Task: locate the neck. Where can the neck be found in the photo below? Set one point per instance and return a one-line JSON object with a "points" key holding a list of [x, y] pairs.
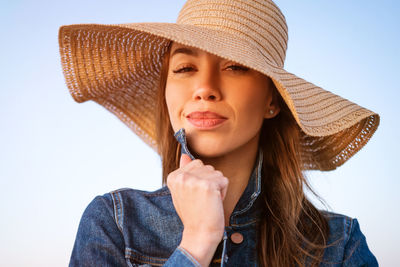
{"points": [[237, 166]]}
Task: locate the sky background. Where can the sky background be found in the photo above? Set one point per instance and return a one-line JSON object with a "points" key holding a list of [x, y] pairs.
{"points": [[57, 155]]}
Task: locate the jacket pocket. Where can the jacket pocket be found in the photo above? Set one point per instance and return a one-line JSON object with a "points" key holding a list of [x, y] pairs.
{"points": [[137, 259]]}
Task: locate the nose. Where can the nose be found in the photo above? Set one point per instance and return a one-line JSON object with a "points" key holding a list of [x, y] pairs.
{"points": [[208, 88]]}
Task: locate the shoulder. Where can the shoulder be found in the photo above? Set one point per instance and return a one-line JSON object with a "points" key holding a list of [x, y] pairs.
{"points": [[140, 227], [147, 222], [135, 197], [137, 205], [339, 225], [130, 207], [346, 243], [117, 201], [129, 193], [133, 210]]}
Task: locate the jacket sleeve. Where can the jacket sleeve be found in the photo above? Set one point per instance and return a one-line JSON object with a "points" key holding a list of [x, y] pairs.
{"points": [[181, 258], [99, 241], [356, 251]]}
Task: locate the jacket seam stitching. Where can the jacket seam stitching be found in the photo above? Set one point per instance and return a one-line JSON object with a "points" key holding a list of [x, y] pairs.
{"points": [[244, 224], [118, 210], [162, 193], [349, 227], [142, 258], [190, 257]]}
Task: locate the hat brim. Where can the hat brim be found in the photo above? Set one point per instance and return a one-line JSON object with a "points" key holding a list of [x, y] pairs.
{"points": [[118, 66]]}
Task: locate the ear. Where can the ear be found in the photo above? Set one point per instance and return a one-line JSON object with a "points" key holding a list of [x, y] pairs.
{"points": [[273, 107]]}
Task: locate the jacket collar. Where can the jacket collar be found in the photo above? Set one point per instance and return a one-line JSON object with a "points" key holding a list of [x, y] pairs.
{"points": [[245, 211]]}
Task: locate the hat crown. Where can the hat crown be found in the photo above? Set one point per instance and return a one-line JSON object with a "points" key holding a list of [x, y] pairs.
{"points": [[259, 22]]}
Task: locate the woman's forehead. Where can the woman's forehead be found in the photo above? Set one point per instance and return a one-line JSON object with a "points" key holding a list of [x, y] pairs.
{"points": [[175, 45], [181, 49], [186, 50]]}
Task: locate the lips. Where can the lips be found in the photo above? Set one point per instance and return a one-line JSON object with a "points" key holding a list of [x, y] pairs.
{"points": [[205, 120], [205, 115]]}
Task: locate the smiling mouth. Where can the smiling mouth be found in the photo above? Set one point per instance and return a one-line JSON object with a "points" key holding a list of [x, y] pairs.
{"points": [[205, 120]]}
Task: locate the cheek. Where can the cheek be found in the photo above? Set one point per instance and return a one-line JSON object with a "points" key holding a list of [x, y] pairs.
{"points": [[250, 113], [253, 105], [172, 104], [250, 120], [175, 100], [169, 99]]}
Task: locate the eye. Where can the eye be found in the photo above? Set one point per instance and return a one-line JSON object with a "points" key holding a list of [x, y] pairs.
{"points": [[183, 69], [236, 67]]}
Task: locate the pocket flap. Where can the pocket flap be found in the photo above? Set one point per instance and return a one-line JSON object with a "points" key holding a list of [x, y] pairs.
{"points": [[136, 258]]}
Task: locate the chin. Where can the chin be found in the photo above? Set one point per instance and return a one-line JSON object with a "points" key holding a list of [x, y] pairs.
{"points": [[209, 154], [208, 150]]}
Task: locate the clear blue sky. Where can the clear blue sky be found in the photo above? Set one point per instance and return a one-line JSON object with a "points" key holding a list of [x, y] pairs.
{"points": [[57, 155]]}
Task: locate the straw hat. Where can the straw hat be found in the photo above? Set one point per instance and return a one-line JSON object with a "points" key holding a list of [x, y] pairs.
{"points": [[118, 66]]}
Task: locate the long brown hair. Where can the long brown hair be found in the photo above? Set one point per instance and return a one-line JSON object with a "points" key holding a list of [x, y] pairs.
{"points": [[291, 231]]}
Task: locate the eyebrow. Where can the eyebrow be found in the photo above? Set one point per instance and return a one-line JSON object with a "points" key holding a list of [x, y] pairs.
{"points": [[184, 50]]}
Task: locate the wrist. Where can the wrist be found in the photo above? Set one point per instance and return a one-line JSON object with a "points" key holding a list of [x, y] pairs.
{"points": [[201, 237], [200, 246]]}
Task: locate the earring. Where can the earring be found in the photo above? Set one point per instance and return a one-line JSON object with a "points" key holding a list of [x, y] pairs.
{"points": [[271, 111]]}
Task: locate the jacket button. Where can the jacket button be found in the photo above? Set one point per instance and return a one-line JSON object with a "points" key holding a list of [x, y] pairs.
{"points": [[237, 238]]}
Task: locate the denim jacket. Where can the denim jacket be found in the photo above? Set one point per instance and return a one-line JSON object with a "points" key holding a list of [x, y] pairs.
{"points": [[130, 227]]}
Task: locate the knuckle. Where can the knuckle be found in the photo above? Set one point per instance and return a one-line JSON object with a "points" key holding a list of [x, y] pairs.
{"points": [[225, 180], [210, 167], [197, 162], [182, 177], [219, 173], [205, 185], [186, 180], [170, 180]]}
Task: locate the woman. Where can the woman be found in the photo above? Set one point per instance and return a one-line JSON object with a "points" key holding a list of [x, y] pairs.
{"points": [[234, 131]]}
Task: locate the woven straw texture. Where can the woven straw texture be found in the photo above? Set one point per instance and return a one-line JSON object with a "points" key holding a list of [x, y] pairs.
{"points": [[118, 66]]}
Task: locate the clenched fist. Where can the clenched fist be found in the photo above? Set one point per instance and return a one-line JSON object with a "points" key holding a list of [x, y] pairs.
{"points": [[198, 192]]}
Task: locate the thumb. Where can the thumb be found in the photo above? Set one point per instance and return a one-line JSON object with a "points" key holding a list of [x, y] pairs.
{"points": [[185, 159]]}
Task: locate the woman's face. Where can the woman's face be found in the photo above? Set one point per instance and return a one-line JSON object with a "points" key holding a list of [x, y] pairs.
{"points": [[221, 104]]}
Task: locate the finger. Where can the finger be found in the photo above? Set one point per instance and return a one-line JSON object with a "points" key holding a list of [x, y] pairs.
{"points": [[185, 160], [224, 187], [209, 167]]}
